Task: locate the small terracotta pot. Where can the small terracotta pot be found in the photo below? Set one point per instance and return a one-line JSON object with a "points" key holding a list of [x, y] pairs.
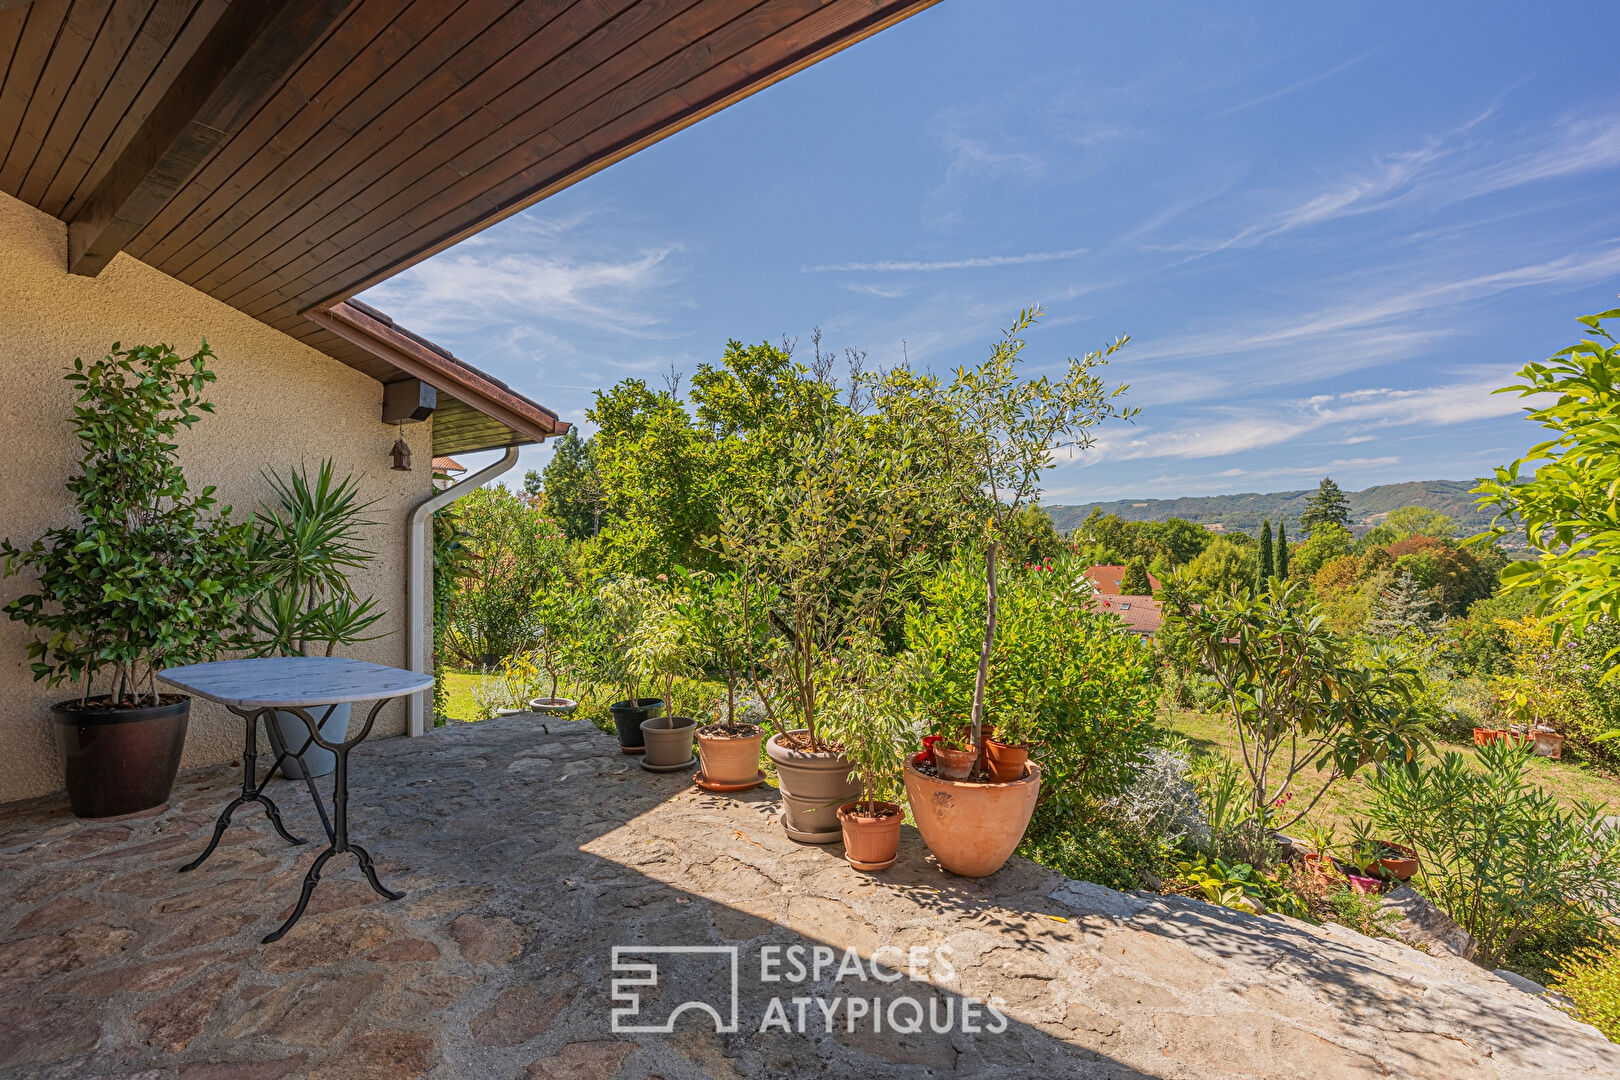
{"points": [[1401, 867], [1005, 761], [1314, 862], [1485, 736], [870, 843], [1549, 744], [954, 764], [972, 829], [729, 760]]}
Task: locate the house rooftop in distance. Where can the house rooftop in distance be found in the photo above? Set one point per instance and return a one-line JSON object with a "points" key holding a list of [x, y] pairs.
{"points": [[1107, 579]]}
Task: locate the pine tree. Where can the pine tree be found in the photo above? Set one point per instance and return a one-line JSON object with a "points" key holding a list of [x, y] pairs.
{"points": [[1327, 506], [1282, 551], [1264, 568], [1135, 580], [1403, 606]]}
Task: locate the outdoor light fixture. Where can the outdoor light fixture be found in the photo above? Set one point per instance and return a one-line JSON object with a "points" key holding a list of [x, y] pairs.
{"points": [[401, 453]]}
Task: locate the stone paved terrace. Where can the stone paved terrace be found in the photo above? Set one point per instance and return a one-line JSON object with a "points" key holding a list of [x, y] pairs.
{"points": [[526, 856]]}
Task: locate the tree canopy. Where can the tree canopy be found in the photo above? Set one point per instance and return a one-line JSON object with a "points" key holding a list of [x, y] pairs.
{"points": [[1327, 507]]}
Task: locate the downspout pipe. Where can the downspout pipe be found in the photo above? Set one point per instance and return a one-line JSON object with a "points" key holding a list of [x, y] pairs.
{"points": [[416, 577]]}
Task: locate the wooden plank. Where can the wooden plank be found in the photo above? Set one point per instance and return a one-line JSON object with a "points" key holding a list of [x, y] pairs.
{"points": [[112, 42], [349, 199], [505, 54], [12, 22], [357, 54], [247, 53], [73, 40], [471, 201], [44, 19], [117, 94]]}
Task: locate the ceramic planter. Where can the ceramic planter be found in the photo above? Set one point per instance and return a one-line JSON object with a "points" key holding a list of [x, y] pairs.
{"points": [[1366, 886], [669, 742], [120, 761], [290, 732], [1401, 866], [871, 843], [627, 718], [972, 829], [730, 762], [1004, 761], [954, 764], [813, 785], [553, 706], [1549, 744]]}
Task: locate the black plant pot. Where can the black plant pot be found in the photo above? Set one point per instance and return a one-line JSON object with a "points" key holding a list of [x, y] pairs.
{"points": [[627, 718], [119, 761]]}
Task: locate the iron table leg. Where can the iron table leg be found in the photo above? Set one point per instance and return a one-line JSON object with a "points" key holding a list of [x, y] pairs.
{"points": [[252, 791]]}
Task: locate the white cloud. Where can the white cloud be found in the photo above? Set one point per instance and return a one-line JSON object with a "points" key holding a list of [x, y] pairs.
{"points": [[982, 262], [1309, 80]]}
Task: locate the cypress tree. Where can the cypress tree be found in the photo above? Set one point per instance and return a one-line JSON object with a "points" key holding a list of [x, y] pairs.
{"points": [[1264, 568], [1282, 552], [1135, 580]]}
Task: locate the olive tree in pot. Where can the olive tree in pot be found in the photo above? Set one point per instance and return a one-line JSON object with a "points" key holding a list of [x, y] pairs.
{"points": [[152, 575], [724, 617], [622, 604], [866, 713], [1010, 428], [831, 533], [306, 544], [661, 651]]}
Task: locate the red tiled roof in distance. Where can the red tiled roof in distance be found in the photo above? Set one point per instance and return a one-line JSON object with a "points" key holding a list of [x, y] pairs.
{"points": [[1140, 614], [1107, 579]]}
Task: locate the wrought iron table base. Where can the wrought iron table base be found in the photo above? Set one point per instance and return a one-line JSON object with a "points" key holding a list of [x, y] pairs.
{"points": [[337, 828]]}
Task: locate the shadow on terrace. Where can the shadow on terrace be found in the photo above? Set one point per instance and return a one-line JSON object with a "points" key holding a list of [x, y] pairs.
{"points": [[527, 854]]}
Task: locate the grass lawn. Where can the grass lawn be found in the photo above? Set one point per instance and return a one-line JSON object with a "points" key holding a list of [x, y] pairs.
{"points": [[1569, 781]]}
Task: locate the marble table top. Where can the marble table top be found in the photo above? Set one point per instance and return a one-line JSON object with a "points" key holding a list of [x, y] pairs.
{"points": [[294, 681]]}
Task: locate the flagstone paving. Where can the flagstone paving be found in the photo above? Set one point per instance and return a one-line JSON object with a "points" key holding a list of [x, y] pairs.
{"points": [[528, 851]]}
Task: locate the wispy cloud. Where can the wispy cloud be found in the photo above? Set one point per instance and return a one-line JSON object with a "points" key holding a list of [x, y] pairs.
{"points": [[983, 262], [1310, 80]]}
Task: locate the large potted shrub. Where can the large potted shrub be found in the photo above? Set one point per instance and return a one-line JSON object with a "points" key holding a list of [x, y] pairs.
{"points": [[305, 545], [150, 575], [1009, 429]]}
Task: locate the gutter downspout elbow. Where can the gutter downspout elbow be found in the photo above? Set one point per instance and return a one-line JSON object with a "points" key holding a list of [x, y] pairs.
{"points": [[416, 573]]}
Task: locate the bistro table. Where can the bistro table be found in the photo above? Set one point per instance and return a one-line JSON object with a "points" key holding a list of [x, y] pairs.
{"points": [[259, 688]]}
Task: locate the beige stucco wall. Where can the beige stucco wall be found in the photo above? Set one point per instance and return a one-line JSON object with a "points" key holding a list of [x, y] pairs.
{"points": [[279, 403]]}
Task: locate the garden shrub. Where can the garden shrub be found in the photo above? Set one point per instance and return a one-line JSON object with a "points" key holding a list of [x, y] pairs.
{"points": [[1099, 846], [1591, 980], [1161, 800], [514, 554], [1497, 853]]}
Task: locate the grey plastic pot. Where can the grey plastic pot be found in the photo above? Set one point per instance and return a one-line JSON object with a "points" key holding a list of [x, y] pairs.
{"points": [[814, 786], [290, 731], [669, 740]]}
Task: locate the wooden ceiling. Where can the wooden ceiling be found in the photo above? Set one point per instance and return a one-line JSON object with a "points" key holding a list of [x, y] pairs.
{"points": [[283, 155]]}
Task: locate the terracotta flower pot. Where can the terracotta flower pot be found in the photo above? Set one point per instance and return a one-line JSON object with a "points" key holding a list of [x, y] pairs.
{"points": [[1485, 736], [627, 718], [1314, 862], [1400, 867], [1005, 761], [669, 741], [119, 761], [1549, 744], [813, 785], [871, 843], [972, 829], [730, 761], [954, 764]]}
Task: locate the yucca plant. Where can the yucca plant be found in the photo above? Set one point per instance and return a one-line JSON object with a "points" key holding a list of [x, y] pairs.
{"points": [[305, 545]]}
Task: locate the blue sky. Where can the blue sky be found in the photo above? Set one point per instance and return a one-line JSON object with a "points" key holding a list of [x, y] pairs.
{"points": [[1329, 230]]}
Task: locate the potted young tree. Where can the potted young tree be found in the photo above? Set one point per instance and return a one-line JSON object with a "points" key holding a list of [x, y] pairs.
{"points": [[660, 650], [151, 575], [1010, 428], [866, 715], [722, 614], [556, 646], [623, 603], [305, 545]]}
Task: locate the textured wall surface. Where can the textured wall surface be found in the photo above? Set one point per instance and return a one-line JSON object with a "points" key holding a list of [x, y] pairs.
{"points": [[278, 403]]}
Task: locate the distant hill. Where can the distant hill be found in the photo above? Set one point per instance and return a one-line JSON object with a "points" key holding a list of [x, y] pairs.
{"points": [[1243, 513]]}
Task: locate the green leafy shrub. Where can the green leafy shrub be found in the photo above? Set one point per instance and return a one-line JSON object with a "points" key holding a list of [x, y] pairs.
{"points": [[1237, 885], [1100, 847], [1591, 980], [1497, 853], [514, 554], [152, 575]]}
